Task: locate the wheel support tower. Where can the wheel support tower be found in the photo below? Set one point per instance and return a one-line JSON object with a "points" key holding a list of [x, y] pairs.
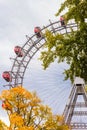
{"points": [[75, 107]]}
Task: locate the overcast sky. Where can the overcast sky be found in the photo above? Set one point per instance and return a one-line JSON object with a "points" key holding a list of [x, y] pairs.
{"points": [[17, 19]]}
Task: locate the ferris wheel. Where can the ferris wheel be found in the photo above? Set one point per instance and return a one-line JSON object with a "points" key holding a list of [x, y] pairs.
{"points": [[25, 57]]}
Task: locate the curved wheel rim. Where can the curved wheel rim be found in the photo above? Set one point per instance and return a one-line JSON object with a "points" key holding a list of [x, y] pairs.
{"points": [[30, 48]]}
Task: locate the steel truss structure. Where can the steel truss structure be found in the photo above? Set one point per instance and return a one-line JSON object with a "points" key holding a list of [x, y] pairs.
{"points": [[30, 48], [76, 108], [33, 45]]}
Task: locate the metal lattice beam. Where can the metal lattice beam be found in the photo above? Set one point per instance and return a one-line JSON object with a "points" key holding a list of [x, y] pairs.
{"points": [[70, 111], [31, 47]]}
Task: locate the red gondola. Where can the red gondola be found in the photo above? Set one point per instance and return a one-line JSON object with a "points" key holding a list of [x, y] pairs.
{"points": [[62, 21], [18, 51], [6, 75], [37, 31]]}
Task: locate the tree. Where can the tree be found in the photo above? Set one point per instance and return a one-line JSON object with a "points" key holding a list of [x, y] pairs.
{"points": [[72, 47], [3, 126], [26, 112]]}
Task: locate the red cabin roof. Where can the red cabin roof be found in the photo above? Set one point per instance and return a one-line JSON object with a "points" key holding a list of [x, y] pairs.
{"points": [[61, 18], [18, 51], [6, 75], [37, 29]]}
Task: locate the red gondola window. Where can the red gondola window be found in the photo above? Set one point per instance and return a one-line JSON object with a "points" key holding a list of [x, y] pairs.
{"points": [[18, 51], [37, 31], [6, 75]]}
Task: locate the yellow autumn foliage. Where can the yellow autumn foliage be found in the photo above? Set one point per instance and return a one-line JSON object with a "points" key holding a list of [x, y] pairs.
{"points": [[3, 126], [20, 91], [26, 128], [16, 119], [6, 105], [26, 111], [14, 92]]}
